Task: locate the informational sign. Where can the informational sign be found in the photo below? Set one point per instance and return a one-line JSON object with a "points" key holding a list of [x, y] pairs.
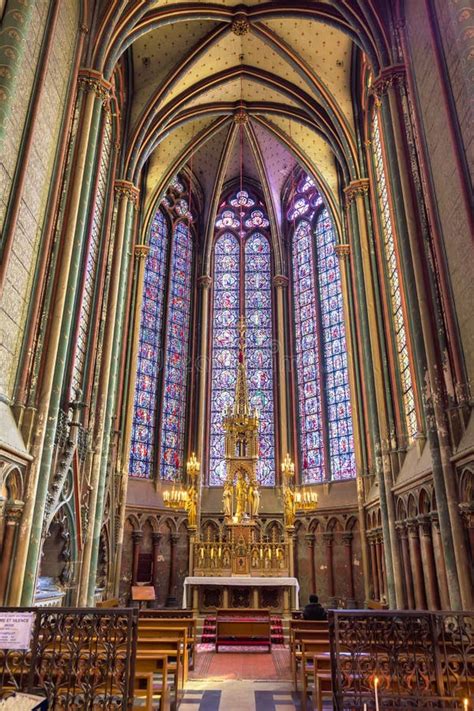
{"points": [[15, 629]]}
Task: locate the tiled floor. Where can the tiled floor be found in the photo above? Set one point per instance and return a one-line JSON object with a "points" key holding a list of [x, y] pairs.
{"points": [[235, 681]]}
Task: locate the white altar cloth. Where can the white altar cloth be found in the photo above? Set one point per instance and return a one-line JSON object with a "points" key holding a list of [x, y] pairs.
{"points": [[240, 581]]}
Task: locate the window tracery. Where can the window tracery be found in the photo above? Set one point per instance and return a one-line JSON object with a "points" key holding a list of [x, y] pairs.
{"points": [[326, 447]]}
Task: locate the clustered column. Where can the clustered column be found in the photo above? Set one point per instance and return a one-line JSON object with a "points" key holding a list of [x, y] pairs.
{"points": [[329, 542], [347, 538], [171, 597]]}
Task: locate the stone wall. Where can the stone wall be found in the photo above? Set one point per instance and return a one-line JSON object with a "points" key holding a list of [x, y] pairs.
{"points": [[39, 172]]}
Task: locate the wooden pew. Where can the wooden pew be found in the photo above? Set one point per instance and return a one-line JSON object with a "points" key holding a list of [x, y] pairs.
{"points": [[236, 627], [296, 645], [310, 651], [174, 649], [145, 624], [149, 669]]}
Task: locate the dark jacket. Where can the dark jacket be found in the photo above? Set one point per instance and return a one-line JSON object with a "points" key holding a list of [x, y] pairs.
{"points": [[314, 611]]}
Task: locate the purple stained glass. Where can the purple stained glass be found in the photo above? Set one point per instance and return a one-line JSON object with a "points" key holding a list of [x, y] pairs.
{"points": [[320, 345], [225, 341], [144, 420], [175, 378], [307, 355], [338, 397], [258, 312]]}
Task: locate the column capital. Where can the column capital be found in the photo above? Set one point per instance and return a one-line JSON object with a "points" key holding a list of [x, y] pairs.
{"points": [[356, 188], [13, 512], [310, 538], [280, 281], [388, 77], [137, 536], [156, 537], [127, 189], [92, 80], [174, 537], [328, 537], [342, 250], [424, 523], [141, 251], [347, 537], [205, 281], [412, 526]]}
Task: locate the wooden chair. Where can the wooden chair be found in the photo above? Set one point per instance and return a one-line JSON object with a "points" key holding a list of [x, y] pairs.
{"points": [[309, 650], [296, 640], [158, 687], [146, 624], [173, 649]]}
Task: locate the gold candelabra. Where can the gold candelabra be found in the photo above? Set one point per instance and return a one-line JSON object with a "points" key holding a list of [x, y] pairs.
{"points": [[295, 498], [185, 497]]}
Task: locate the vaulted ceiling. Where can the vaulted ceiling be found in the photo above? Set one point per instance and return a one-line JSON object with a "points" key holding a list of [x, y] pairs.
{"points": [[287, 66]]}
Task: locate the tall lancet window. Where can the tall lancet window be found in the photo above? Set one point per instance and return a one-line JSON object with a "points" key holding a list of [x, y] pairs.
{"points": [[158, 430], [326, 446], [393, 279], [242, 286]]}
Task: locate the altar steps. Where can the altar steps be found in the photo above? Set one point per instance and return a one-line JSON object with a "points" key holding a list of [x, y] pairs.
{"points": [[208, 634]]}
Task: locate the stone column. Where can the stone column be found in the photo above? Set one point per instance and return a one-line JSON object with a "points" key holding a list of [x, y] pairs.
{"points": [[328, 537], [127, 200], [137, 537], [347, 538], [416, 564], [402, 530], [379, 561], [427, 557], [343, 252], [467, 513], [205, 283], [439, 563], [156, 539], [390, 89], [12, 516], [171, 597], [356, 193], [96, 92], [310, 540], [373, 565], [280, 283]]}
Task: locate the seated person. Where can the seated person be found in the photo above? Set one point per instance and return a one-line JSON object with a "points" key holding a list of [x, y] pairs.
{"points": [[313, 610]]}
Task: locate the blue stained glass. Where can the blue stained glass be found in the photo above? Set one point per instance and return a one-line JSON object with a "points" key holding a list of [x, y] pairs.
{"points": [[258, 311], [225, 346], [307, 355], [341, 448], [175, 377], [144, 420], [320, 345]]}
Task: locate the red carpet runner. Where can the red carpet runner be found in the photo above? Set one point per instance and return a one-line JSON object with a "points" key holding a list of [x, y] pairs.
{"points": [[209, 630]]}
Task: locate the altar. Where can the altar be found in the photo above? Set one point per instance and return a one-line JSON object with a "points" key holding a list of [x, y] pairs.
{"points": [[227, 592]]}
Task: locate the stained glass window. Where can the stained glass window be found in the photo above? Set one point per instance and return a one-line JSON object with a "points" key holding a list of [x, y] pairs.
{"points": [[338, 400], [173, 409], [144, 421], [326, 447], [242, 286], [158, 441], [394, 283], [258, 313], [225, 342]]}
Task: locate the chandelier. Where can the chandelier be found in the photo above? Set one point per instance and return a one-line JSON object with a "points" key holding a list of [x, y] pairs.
{"points": [[295, 498], [182, 496]]}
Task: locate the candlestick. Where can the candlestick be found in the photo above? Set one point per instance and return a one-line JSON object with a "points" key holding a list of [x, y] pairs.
{"points": [[465, 704], [376, 684]]}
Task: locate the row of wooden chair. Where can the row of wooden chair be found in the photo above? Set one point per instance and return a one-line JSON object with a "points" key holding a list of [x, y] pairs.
{"points": [[166, 649], [310, 656]]}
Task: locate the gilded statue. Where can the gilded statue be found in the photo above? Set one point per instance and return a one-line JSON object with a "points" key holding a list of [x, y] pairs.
{"points": [[289, 506], [254, 498], [241, 495], [192, 506], [227, 499]]}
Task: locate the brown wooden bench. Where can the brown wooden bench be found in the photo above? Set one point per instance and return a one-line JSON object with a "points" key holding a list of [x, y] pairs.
{"points": [[145, 624], [243, 627]]}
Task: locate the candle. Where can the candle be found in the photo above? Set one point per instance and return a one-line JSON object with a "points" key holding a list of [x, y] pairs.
{"points": [[365, 707], [465, 704], [376, 684]]}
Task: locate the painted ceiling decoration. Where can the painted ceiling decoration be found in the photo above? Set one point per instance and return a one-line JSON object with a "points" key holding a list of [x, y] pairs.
{"points": [[288, 66]]}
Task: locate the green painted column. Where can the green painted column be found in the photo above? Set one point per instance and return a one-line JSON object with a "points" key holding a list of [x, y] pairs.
{"points": [[127, 196], [105, 471], [55, 355]]}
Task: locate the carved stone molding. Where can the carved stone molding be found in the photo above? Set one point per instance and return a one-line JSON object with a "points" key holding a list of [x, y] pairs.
{"points": [[205, 281], [241, 117], [388, 77], [90, 80], [280, 281], [142, 251], [240, 26], [342, 250], [355, 189], [127, 189]]}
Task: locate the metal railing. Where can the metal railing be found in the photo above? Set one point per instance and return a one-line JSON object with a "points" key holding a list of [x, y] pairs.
{"points": [[402, 660], [78, 658]]}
